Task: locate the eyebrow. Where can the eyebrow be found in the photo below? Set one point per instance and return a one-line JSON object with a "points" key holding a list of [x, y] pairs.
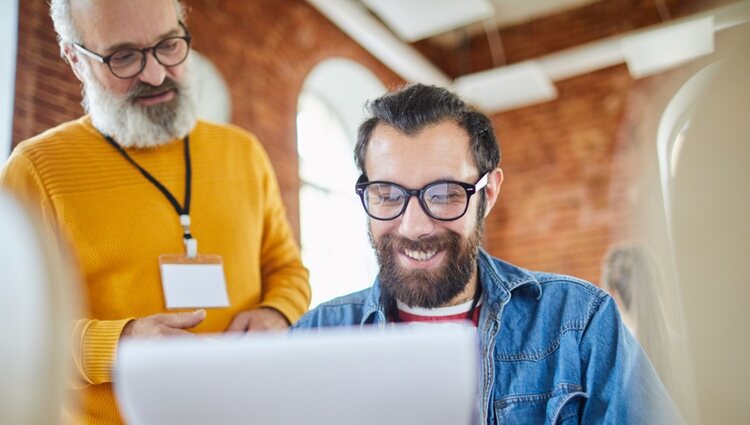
{"points": [[120, 46], [444, 179]]}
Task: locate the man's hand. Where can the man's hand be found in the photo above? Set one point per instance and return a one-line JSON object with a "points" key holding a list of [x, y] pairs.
{"points": [[160, 325], [261, 319]]}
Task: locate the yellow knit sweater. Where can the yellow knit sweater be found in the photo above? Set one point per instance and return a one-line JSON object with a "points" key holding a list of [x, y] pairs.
{"points": [[118, 224]]}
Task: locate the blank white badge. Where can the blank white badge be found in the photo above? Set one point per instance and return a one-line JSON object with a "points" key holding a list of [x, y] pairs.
{"points": [[193, 282]]}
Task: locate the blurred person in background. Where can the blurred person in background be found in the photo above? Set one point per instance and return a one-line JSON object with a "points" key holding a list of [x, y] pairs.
{"points": [[553, 347], [630, 274], [138, 181]]}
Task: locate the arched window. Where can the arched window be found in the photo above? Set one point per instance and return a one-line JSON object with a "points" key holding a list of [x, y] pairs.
{"points": [[333, 226]]}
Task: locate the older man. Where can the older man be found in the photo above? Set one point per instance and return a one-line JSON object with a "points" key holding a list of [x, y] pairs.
{"points": [[554, 349], [135, 185]]}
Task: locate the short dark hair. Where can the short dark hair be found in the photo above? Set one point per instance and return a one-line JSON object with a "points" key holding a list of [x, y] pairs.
{"points": [[413, 107]]}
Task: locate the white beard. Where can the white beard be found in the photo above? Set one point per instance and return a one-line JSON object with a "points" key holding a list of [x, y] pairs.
{"points": [[132, 125]]}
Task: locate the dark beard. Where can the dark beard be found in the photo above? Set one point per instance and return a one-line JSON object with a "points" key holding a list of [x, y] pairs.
{"points": [[427, 288]]}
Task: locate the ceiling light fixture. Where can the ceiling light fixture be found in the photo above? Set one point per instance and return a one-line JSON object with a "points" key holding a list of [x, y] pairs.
{"points": [[414, 20], [660, 49], [507, 87]]}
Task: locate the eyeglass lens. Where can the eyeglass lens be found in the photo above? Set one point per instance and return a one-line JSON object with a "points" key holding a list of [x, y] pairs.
{"points": [[444, 200], [129, 62]]}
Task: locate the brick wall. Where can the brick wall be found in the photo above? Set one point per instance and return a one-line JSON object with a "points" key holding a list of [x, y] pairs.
{"points": [[570, 164], [574, 167], [565, 196], [47, 93]]}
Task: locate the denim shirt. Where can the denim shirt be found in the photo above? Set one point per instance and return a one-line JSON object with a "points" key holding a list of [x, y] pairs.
{"points": [[554, 350]]}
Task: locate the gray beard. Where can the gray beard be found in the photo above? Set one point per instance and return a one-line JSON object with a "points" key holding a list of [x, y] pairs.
{"points": [[132, 125]]}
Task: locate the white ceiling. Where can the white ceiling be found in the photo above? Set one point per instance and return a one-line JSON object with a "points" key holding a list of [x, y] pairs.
{"points": [[511, 12], [413, 20]]}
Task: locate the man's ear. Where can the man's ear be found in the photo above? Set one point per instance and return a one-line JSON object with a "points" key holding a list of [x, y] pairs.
{"points": [[492, 190], [71, 57]]}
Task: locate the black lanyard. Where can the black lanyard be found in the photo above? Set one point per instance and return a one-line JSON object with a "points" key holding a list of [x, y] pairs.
{"points": [[182, 211]]}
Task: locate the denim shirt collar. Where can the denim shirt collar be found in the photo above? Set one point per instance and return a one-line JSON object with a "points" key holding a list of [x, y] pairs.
{"points": [[498, 279], [374, 311]]}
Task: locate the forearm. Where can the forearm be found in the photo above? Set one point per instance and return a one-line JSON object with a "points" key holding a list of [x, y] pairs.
{"points": [[285, 280], [288, 291]]}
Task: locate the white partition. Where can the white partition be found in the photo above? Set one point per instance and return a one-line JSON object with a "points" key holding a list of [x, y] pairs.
{"points": [[8, 37]]}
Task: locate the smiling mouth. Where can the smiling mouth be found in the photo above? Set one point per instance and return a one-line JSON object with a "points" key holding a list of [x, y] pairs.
{"points": [[420, 255]]}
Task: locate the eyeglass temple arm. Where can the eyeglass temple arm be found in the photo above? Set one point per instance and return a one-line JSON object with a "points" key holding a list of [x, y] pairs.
{"points": [[87, 53], [482, 182]]}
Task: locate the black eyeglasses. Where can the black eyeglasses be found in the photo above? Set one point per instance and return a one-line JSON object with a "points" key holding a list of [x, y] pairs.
{"points": [[443, 200], [127, 63]]}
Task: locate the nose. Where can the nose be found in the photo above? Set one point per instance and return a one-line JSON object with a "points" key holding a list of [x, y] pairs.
{"points": [[154, 72], [415, 223]]}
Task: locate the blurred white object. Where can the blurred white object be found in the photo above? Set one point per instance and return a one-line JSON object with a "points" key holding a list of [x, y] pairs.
{"points": [[703, 236], [8, 43], [710, 200], [213, 100], [34, 312], [364, 376]]}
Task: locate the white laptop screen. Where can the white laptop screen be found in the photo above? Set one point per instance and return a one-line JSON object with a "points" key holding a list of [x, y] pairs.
{"points": [[394, 375]]}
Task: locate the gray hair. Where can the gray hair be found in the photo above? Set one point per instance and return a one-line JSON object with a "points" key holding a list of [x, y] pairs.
{"points": [[67, 33], [62, 19]]}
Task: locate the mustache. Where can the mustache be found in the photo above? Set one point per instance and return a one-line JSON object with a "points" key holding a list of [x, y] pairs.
{"points": [[429, 243], [144, 89]]}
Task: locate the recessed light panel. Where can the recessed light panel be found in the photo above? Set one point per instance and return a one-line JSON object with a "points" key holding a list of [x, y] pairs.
{"points": [[414, 20], [508, 87], [658, 50]]}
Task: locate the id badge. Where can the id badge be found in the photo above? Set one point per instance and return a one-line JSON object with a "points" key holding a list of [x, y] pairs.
{"points": [[193, 282]]}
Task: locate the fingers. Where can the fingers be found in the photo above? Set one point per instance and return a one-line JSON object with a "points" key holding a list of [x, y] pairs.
{"points": [[163, 324], [183, 320], [175, 332], [267, 319], [261, 319], [239, 323]]}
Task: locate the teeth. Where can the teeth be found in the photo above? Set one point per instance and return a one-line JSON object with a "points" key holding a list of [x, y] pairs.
{"points": [[420, 255]]}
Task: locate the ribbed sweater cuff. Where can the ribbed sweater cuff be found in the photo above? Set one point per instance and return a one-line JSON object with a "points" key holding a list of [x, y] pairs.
{"points": [[289, 309], [100, 348]]}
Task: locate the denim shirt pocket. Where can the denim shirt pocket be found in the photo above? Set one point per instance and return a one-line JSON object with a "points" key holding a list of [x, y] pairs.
{"points": [[562, 405]]}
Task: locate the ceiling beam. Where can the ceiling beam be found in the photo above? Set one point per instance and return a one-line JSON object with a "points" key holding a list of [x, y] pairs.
{"points": [[406, 61], [359, 24], [608, 51]]}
